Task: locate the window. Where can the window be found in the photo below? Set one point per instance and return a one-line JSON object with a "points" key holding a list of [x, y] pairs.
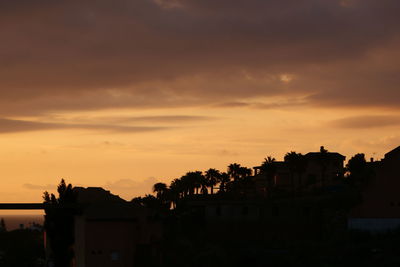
{"points": [[114, 256]]}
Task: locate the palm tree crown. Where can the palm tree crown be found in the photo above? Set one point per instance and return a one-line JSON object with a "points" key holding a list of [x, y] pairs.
{"points": [[212, 176]]}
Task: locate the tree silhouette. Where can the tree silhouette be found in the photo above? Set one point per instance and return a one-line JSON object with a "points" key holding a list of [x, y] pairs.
{"points": [[234, 171], [244, 172], [359, 171], [199, 180], [161, 190], [176, 191], [192, 182], [59, 223], [223, 180], [148, 201], [212, 176], [163, 195]]}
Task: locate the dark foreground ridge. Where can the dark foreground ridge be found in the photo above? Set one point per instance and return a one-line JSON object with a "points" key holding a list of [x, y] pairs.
{"points": [[308, 210]]}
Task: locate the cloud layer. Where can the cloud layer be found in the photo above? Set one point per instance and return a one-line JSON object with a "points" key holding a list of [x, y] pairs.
{"points": [[74, 55], [12, 126], [108, 124], [366, 122]]}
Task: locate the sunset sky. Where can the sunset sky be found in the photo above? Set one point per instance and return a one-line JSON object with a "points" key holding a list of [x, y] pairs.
{"points": [[122, 94]]}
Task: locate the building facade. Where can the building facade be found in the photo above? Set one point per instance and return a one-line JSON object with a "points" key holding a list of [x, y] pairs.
{"points": [[380, 206]]}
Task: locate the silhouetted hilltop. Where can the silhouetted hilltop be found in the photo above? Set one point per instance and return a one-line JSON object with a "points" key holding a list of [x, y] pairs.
{"points": [[95, 195], [307, 210]]}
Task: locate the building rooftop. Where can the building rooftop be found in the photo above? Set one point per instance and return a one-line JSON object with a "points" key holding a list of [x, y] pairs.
{"points": [[394, 153]]}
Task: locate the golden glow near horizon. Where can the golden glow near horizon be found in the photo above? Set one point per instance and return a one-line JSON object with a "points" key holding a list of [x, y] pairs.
{"points": [[129, 163]]}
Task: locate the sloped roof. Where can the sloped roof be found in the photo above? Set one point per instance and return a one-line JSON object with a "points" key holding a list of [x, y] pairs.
{"points": [[393, 153]]}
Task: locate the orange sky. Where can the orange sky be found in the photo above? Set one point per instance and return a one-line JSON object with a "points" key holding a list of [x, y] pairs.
{"points": [[125, 94]]}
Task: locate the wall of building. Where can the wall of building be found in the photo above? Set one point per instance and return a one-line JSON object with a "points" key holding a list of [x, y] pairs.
{"points": [[380, 207], [110, 244]]}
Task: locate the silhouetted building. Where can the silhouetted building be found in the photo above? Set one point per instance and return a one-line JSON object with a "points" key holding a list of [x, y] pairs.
{"points": [[380, 207], [273, 220], [110, 231], [319, 169], [323, 168]]}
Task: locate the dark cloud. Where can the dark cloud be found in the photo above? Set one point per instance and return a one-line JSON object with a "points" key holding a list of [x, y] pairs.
{"points": [[159, 119], [74, 55], [365, 122], [232, 104], [12, 126]]}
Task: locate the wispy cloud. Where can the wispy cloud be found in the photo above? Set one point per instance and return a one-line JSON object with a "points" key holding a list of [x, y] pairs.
{"points": [[13, 126], [147, 120], [49, 187], [365, 122]]}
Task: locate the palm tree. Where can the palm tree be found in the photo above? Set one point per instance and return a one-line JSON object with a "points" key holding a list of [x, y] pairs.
{"points": [[234, 171], [244, 172], [176, 190], [160, 189], [204, 186], [193, 181], [223, 180], [187, 185], [149, 201], [199, 180], [212, 176], [245, 182], [269, 168]]}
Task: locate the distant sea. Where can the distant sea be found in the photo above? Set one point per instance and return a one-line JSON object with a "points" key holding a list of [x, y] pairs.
{"points": [[15, 221]]}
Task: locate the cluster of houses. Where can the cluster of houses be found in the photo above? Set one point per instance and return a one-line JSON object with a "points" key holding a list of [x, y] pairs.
{"points": [[374, 207], [109, 231]]}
